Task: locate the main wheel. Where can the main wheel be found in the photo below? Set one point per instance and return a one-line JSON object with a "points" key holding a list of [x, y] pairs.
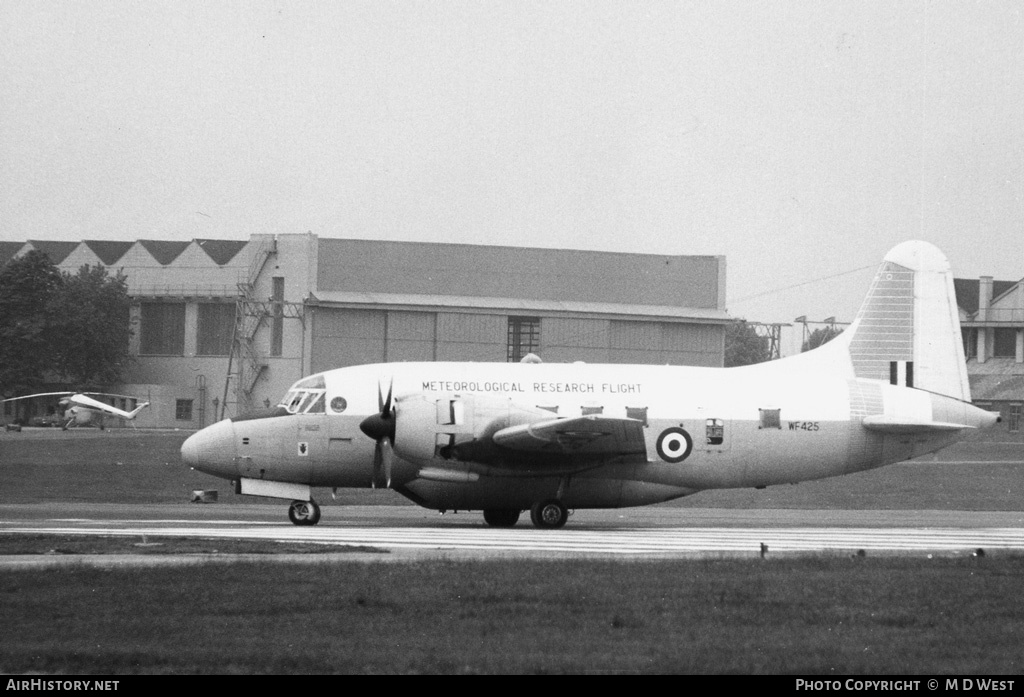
{"points": [[501, 517], [549, 514], [304, 512]]}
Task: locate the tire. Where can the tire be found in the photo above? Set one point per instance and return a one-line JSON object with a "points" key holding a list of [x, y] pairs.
{"points": [[501, 517], [304, 512], [549, 515]]}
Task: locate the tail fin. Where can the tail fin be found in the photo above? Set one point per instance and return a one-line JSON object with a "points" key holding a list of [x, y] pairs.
{"points": [[908, 329]]}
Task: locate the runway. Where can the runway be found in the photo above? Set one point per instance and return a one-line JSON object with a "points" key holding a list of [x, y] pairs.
{"points": [[397, 533]]}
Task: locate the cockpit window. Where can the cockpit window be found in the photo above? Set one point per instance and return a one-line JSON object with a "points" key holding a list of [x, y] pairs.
{"points": [[306, 396], [316, 382], [316, 406]]}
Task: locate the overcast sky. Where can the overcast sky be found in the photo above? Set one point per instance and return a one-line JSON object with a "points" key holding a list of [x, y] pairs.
{"points": [[801, 140]]}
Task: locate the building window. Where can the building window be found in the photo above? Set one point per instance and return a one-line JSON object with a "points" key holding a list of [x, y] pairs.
{"points": [[523, 337], [183, 410], [162, 329], [970, 335], [216, 327], [1005, 343], [277, 317], [1013, 422]]}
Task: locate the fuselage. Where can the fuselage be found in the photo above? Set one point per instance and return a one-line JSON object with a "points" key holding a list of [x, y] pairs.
{"points": [[703, 428]]}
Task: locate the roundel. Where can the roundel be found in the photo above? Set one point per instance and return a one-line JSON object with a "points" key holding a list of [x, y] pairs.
{"points": [[338, 404], [674, 445]]}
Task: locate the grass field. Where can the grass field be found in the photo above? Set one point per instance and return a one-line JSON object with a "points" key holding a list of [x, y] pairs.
{"points": [[805, 616], [145, 467]]}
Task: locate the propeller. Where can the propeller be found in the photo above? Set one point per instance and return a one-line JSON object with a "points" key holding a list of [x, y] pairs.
{"points": [[381, 427]]}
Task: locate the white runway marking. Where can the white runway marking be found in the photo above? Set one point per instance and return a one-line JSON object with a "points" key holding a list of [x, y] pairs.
{"points": [[631, 542]]}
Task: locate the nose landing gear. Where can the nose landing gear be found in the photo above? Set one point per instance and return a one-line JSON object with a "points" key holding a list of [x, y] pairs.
{"points": [[304, 512]]}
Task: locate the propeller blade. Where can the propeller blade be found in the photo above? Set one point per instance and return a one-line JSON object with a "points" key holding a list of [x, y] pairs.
{"points": [[382, 459], [378, 464], [381, 427], [384, 405]]}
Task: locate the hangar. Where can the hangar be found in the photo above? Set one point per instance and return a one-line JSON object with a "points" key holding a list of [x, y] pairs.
{"points": [[992, 322], [222, 327]]}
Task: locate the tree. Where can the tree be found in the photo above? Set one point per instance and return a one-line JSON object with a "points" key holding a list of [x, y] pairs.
{"points": [[744, 346], [55, 325], [28, 333], [821, 336], [92, 311]]}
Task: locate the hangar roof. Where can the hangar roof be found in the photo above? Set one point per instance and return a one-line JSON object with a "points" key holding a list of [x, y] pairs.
{"points": [[353, 299]]}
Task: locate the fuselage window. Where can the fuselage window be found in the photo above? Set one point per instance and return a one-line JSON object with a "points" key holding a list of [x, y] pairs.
{"points": [[771, 418], [638, 413], [715, 431]]}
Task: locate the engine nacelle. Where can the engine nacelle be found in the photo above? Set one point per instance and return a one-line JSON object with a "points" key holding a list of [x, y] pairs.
{"points": [[429, 426]]}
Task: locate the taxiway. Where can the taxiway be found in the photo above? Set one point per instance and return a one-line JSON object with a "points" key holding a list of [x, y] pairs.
{"points": [[407, 532]]}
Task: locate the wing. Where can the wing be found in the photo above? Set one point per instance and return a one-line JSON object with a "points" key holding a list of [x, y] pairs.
{"points": [[587, 437]]}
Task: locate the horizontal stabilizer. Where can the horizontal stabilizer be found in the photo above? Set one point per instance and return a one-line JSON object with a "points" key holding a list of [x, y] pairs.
{"points": [[889, 424]]}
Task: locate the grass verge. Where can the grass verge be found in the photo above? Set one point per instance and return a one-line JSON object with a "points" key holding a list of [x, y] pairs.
{"points": [[157, 545], [807, 616]]}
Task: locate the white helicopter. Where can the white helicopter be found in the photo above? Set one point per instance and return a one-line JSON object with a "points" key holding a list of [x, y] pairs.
{"points": [[81, 409]]}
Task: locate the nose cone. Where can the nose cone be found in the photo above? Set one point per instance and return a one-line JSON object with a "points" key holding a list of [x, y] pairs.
{"points": [[212, 450], [378, 426]]}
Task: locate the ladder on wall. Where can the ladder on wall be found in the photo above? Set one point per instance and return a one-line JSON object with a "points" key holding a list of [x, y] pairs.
{"points": [[245, 365]]}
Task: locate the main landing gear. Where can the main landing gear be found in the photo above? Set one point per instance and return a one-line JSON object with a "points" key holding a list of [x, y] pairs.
{"points": [[549, 515], [304, 512], [501, 517]]}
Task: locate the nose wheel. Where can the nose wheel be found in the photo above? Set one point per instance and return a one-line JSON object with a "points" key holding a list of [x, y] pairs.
{"points": [[550, 514], [304, 512]]}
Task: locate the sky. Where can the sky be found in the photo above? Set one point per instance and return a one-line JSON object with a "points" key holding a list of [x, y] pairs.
{"points": [[801, 140]]}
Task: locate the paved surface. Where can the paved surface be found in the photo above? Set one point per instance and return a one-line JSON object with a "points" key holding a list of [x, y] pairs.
{"points": [[397, 533]]}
